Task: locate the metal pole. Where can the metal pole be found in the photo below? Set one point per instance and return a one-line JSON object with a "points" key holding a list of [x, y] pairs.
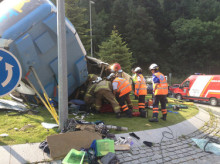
{"points": [[62, 64], [90, 15]]}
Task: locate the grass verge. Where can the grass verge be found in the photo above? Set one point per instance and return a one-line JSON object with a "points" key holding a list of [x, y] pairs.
{"points": [[29, 129]]}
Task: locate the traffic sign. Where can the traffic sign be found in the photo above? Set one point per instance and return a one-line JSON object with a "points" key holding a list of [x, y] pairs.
{"points": [[10, 72]]}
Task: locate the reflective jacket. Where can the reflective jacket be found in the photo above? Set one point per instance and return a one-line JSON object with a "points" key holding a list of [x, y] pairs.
{"points": [[140, 86], [123, 86], [162, 87]]}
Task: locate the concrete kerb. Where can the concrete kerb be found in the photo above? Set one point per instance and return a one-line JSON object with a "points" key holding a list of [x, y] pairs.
{"points": [[183, 128], [30, 153]]}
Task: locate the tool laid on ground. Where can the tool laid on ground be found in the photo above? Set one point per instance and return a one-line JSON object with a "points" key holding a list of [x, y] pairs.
{"points": [[134, 135]]}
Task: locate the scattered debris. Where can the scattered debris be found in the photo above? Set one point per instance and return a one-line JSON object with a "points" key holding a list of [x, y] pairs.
{"points": [[208, 145], [49, 125], [4, 135], [60, 144], [26, 127], [12, 105], [109, 158], [134, 135]]}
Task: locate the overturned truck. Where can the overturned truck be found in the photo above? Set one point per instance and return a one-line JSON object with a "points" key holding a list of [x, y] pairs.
{"points": [[28, 29]]}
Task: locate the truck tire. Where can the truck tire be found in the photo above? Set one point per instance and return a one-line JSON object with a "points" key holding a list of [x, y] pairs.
{"points": [[213, 101], [179, 96]]}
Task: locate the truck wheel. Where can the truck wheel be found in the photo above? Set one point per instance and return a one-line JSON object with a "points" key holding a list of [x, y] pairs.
{"points": [[179, 97], [213, 101]]}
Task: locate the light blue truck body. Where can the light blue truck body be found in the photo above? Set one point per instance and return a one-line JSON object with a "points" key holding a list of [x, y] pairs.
{"points": [[31, 25]]}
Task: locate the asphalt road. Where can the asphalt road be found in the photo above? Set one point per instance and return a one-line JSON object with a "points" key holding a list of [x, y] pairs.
{"points": [[214, 109]]}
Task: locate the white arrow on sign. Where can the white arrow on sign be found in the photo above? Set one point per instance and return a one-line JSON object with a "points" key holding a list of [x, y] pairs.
{"points": [[8, 67], [1, 58]]}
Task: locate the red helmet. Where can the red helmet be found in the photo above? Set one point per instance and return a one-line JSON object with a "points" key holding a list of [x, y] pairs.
{"points": [[116, 67]]}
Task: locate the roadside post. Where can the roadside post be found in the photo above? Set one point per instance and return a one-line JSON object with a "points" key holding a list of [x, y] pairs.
{"points": [[62, 64], [10, 72]]}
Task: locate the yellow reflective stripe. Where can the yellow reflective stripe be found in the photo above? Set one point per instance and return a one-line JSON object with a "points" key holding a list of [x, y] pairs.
{"points": [[121, 83], [125, 87]]}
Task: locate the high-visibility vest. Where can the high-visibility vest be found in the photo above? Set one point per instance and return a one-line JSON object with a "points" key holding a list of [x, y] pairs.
{"points": [[162, 87], [134, 78], [123, 87], [140, 86]]}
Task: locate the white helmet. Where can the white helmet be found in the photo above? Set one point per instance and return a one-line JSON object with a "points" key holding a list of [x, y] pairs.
{"points": [[97, 80], [110, 76], [137, 69], [153, 66]]}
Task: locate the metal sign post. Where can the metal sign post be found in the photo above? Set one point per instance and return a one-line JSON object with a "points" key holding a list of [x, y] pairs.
{"points": [[10, 72], [62, 64]]}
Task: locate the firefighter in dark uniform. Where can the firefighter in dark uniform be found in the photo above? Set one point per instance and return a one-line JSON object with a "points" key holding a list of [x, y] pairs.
{"points": [[160, 91], [99, 90]]}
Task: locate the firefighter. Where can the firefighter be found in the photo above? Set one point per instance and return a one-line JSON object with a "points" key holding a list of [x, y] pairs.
{"points": [[115, 68], [160, 91], [99, 90], [134, 79], [140, 91], [121, 90]]}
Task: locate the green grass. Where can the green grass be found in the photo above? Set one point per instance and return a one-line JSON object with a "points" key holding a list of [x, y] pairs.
{"points": [[36, 133]]}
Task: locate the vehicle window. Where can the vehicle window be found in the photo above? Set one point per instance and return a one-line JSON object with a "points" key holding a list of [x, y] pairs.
{"points": [[186, 84]]}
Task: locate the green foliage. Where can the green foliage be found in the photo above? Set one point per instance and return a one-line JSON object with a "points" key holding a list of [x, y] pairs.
{"points": [[197, 44], [76, 16], [115, 50]]}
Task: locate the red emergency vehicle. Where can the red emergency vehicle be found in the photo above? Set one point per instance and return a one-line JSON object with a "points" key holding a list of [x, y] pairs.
{"points": [[200, 87]]}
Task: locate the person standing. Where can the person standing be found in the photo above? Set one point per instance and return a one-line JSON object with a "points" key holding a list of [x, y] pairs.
{"points": [[140, 91], [160, 91]]}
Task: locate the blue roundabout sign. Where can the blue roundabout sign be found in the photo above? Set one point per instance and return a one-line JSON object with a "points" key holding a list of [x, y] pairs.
{"points": [[10, 72]]}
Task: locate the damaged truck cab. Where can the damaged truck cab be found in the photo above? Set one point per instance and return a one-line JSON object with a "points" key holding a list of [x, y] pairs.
{"points": [[28, 29]]}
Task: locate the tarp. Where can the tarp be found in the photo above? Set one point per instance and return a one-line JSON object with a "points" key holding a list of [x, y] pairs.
{"points": [[210, 147]]}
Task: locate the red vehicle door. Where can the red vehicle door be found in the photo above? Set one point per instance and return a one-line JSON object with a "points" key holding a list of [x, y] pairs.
{"points": [[185, 87], [183, 90]]}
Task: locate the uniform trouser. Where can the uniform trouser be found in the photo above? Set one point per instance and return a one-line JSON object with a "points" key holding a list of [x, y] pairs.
{"points": [[141, 102], [162, 100], [109, 96], [121, 100], [128, 100]]}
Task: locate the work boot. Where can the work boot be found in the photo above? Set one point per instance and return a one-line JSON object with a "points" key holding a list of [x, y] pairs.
{"points": [[154, 119], [118, 115], [142, 113], [164, 117], [129, 113]]}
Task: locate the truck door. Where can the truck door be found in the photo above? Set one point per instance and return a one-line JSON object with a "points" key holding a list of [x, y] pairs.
{"points": [[185, 88]]}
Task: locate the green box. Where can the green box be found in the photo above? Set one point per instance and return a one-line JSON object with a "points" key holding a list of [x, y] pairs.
{"points": [[74, 157], [104, 147]]}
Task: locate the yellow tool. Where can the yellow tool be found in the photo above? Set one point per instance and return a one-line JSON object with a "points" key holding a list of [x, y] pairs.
{"points": [[47, 104]]}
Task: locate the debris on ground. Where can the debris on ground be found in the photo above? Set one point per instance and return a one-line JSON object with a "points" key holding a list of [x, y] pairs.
{"points": [[12, 105], [24, 128], [208, 145], [49, 125], [4, 135]]}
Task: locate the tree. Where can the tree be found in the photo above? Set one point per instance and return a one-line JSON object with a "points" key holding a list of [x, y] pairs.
{"points": [[115, 50], [197, 46], [140, 37], [76, 16]]}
